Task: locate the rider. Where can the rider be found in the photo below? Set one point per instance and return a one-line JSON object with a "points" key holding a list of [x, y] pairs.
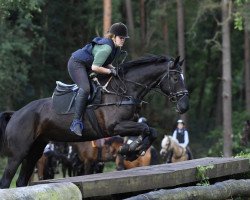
{"points": [[181, 134], [96, 56]]}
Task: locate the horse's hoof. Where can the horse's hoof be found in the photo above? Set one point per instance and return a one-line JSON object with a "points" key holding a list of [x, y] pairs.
{"points": [[135, 144]]}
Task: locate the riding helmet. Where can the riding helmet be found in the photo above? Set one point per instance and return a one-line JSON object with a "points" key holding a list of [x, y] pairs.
{"points": [[180, 121], [119, 29], [142, 120]]}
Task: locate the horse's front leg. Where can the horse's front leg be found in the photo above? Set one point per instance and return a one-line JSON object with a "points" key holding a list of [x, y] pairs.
{"points": [[130, 128]]}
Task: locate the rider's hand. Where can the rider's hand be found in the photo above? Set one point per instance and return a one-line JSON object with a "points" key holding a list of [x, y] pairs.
{"points": [[113, 72]]}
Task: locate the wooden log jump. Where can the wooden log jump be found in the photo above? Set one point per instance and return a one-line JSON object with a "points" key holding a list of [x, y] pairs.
{"points": [[63, 190], [153, 177]]}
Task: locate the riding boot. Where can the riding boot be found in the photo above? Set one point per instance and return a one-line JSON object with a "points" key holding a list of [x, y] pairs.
{"points": [[80, 107]]}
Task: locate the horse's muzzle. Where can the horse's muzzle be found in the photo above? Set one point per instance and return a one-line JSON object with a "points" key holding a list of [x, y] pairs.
{"points": [[182, 104]]}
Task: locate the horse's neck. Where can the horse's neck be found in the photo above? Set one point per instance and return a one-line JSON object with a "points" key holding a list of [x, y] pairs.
{"points": [[138, 79], [177, 149], [145, 77]]}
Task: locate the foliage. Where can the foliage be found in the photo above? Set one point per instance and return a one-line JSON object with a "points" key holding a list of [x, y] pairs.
{"points": [[216, 141], [241, 15], [202, 174], [38, 36]]}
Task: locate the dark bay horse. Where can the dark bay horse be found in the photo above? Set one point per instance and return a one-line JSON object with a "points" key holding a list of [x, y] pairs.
{"points": [[30, 128]]}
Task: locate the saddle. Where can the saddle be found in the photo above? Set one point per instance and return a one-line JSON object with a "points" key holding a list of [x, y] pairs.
{"points": [[64, 96]]}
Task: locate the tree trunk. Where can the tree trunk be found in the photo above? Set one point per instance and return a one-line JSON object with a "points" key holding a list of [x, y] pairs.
{"points": [[247, 69], [131, 27], [226, 78], [181, 39], [142, 20], [107, 15], [218, 191]]}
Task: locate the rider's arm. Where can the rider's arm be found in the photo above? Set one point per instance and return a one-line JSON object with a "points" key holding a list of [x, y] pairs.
{"points": [[174, 135], [101, 53], [186, 139]]}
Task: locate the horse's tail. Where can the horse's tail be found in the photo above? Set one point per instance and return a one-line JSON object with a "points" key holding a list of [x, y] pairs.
{"points": [[4, 119], [154, 156]]}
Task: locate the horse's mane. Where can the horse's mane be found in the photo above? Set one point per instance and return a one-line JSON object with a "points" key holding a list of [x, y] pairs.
{"points": [[145, 60], [166, 138], [118, 139]]}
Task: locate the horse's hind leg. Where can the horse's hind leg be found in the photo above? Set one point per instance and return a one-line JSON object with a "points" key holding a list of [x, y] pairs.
{"points": [[10, 170], [29, 163]]}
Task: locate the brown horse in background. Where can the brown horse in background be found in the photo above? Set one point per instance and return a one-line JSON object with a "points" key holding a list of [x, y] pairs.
{"points": [[115, 143], [92, 154]]}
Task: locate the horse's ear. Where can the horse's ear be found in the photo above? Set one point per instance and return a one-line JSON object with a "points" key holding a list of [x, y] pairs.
{"points": [[181, 62], [176, 61]]}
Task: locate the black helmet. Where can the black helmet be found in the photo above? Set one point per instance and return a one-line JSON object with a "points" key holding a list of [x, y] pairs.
{"points": [[119, 29], [142, 120]]}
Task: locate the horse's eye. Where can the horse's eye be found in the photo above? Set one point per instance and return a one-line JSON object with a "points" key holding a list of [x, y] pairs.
{"points": [[175, 79]]}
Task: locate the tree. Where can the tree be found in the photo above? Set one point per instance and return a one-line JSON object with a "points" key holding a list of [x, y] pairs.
{"points": [[107, 15], [247, 68], [130, 26], [226, 77]]}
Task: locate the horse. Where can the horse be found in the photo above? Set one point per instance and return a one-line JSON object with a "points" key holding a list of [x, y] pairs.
{"points": [[171, 146], [92, 156], [34, 125], [115, 143]]}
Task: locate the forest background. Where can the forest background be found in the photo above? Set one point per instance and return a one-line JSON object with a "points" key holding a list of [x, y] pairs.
{"points": [[37, 38]]}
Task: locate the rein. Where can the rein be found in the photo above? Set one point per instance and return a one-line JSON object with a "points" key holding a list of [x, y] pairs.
{"points": [[173, 96]]}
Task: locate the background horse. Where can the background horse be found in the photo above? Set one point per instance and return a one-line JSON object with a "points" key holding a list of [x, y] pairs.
{"points": [[30, 128], [172, 146], [115, 143], [92, 154]]}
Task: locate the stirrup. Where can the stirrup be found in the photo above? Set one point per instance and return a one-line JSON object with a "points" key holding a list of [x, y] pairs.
{"points": [[74, 126]]}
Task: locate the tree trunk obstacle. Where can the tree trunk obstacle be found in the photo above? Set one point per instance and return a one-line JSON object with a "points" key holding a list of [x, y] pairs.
{"points": [[153, 177], [43, 192], [221, 190]]}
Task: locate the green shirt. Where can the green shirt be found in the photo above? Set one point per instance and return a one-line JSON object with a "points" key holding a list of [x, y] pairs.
{"points": [[101, 53]]}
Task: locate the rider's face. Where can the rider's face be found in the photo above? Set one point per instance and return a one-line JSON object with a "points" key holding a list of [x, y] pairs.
{"points": [[119, 41], [180, 125]]}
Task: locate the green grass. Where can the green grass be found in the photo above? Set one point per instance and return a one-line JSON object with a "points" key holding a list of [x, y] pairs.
{"points": [[109, 167]]}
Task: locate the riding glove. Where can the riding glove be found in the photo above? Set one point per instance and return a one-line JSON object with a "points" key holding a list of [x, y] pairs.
{"points": [[113, 72]]}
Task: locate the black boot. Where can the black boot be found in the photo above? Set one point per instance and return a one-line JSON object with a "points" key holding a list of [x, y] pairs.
{"points": [[80, 107]]}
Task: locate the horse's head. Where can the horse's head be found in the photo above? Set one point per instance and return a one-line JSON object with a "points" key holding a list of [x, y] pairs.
{"points": [[173, 85], [165, 145]]}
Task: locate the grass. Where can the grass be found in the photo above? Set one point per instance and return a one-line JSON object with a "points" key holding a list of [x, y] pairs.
{"points": [[109, 167]]}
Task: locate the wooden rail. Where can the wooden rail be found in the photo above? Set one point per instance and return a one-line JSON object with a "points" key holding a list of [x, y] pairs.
{"points": [[153, 177]]}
